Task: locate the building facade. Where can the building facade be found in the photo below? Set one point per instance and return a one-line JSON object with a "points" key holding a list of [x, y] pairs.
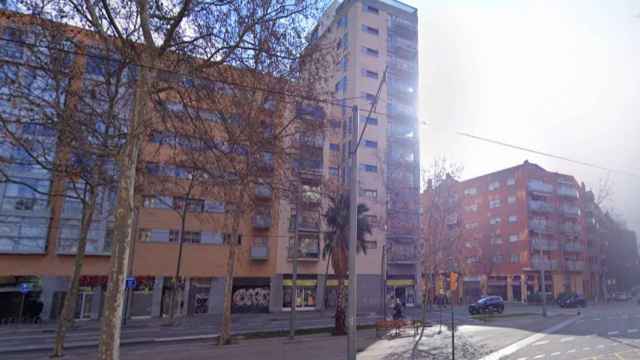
{"points": [[519, 221], [375, 42]]}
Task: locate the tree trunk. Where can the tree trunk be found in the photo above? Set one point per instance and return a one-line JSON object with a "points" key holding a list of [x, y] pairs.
{"points": [[340, 328], [109, 348], [177, 281], [68, 308], [225, 333]]}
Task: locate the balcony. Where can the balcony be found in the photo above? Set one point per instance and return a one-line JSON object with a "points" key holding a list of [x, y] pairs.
{"points": [[264, 191], [262, 221], [571, 211], [573, 247], [403, 255], [259, 252], [539, 263], [573, 265], [541, 206], [539, 186], [567, 191], [544, 245], [304, 254], [570, 229], [542, 227]]}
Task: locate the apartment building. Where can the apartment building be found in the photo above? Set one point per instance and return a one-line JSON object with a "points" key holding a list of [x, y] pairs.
{"points": [[39, 233], [519, 221], [369, 37]]}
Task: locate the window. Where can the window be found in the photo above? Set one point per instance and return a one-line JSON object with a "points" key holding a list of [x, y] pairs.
{"points": [[215, 238], [335, 124], [212, 206], [495, 221], [370, 52], [24, 198], [495, 240], [371, 144], [470, 191], [494, 185], [342, 22], [194, 237], [494, 204], [513, 238], [471, 225], [471, 208], [11, 46], [497, 259], [159, 235], [343, 63], [158, 202], [343, 42], [515, 259], [369, 193], [513, 219], [370, 30], [372, 9], [341, 85], [370, 244], [334, 147], [370, 120], [511, 181], [370, 74], [369, 168], [473, 259], [333, 171], [371, 98], [193, 205], [511, 199]]}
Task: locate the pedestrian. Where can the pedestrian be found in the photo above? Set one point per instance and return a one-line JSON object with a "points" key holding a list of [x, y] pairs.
{"points": [[397, 310]]}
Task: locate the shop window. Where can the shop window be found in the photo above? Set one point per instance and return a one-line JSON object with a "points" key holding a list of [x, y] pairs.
{"points": [[305, 297]]}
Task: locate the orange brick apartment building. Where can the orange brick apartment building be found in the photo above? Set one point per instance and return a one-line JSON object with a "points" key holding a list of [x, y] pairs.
{"points": [[518, 220]]}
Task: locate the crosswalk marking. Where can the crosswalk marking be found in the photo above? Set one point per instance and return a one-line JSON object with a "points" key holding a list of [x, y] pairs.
{"points": [[567, 339], [541, 343], [539, 356], [571, 351], [600, 347], [522, 358], [632, 330], [555, 353], [586, 349], [613, 332]]}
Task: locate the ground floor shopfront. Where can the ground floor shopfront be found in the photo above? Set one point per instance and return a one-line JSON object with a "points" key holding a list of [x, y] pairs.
{"points": [[152, 296]]}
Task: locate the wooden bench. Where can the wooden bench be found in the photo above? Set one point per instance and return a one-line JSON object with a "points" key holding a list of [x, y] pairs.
{"points": [[397, 325]]}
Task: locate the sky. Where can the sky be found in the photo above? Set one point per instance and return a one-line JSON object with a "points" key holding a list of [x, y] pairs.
{"points": [[561, 76]]}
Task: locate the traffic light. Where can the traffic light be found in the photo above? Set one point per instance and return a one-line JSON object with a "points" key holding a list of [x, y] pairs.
{"points": [[453, 281]]}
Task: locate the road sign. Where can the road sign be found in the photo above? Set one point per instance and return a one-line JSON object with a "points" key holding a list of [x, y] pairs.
{"points": [[131, 282], [25, 288]]}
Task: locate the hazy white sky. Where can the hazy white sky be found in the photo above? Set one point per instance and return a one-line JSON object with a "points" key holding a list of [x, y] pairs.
{"points": [[559, 76]]}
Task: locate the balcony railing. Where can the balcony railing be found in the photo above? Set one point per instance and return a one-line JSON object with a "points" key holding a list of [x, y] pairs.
{"points": [[570, 229], [542, 227], [262, 221], [264, 191], [541, 206], [570, 211], [304, 254], [567, 191], [540, 186], [573, 247], [575, 265], [259, 252], [544, 264], [544, 245], [403, 255]]}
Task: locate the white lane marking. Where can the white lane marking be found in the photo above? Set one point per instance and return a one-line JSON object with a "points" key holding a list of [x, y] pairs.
{"points": [[632, 330], [522, 358], [600, 347], [571, 351], [504, 352], [586, 349], [556, 353], [539, 356], [613, 332], [567, 339], [541, 343]]}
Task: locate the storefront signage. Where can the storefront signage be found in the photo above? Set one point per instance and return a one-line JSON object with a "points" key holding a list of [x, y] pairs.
{"points": [[334, 282], [401, 282], [25, 288], [131, 282], [300, 282]]}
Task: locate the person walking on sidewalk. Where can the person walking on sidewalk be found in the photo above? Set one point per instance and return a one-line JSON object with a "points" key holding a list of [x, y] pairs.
{"points": [[397, 310]]}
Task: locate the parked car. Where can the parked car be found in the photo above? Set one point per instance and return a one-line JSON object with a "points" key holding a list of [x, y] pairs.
{"points": [[572, 301], [488, 304], [621, 296]]}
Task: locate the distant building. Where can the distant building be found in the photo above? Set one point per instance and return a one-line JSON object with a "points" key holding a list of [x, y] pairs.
{"points": [[518, 221]]}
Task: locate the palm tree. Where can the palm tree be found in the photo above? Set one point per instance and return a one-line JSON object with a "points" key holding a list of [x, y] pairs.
{"points": [[336, 246]]}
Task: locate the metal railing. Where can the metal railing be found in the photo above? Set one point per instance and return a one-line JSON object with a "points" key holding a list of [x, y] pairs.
{"points": [[544, 244], [262, 221], [567, 191], [544, 264], [540, 186], [541, 206], [304, 254], [570, 211], [573, 247], [575, 265], [541, 227]]}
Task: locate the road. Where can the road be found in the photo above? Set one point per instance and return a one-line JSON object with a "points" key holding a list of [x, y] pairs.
{"points": [[599, 333]]}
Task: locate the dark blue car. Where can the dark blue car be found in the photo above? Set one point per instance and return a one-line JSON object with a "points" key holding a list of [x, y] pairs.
{"points": [[488, 304]]}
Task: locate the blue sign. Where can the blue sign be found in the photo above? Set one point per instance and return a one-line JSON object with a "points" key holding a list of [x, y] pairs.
{"points": [[131, 282], [25, 288]]}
